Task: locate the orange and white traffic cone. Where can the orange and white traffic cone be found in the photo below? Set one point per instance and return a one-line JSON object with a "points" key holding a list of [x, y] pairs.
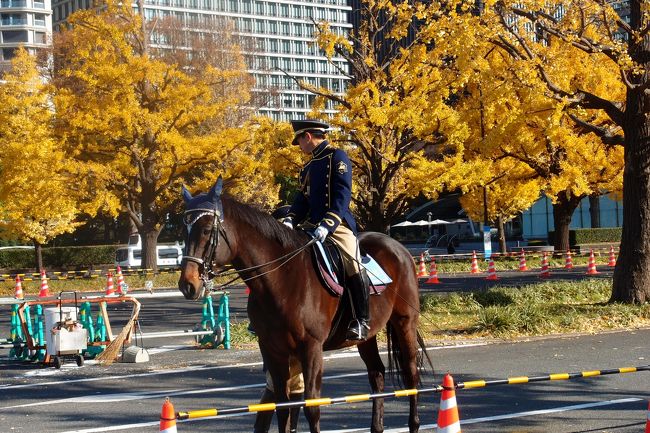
{"points": [[45, 289], [591, 267], [433, 273], [612, 257], [422, 269], [522, 261], [448, 418], [121, 287], [492, 272], [568, 260], [475, 269], [167, 418], [647, 420], [110, 289], [545, 272], [18, 292]]}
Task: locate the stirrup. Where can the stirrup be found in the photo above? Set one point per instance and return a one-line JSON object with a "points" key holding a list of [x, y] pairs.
{"points": [[357, 330]]}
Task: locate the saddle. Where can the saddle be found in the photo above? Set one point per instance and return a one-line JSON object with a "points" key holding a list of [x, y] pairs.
{"points": [[328, 263]]}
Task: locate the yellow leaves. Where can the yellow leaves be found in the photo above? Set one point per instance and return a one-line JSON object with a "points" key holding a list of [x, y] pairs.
{"points": [[38, 200]]}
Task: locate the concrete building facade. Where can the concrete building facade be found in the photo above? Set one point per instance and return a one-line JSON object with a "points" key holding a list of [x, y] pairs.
{"points": [[26, 23], [278, 36]]}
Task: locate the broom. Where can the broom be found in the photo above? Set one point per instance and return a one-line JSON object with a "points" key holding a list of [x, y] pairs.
{"points": [[108, 356]]}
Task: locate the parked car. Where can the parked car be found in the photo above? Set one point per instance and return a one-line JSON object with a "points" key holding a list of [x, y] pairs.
{"points": [[168, 255]]}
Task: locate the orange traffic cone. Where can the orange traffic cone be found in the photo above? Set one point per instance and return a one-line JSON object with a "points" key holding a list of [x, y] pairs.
{"points": [[568, 261], [591, 267], [110, 289], [121, 287], [612, 257], [45, 289], [475, 269], [433, 273], [492, 273], [545, 273], [448, 418], [647, 420], [167, 417], [422, 270], [18, 293], [522, 261]]}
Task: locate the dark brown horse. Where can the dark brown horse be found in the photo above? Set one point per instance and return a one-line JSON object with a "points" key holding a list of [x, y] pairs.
{"points": [[290, 310]]}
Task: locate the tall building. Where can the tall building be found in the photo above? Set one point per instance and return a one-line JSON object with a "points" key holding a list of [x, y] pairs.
{"points": [[278, 36], [26, 23]]}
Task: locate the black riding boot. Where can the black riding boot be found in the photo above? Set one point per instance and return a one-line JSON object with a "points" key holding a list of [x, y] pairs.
{"points": [[263, 419], [358, 327], [294, 412]]}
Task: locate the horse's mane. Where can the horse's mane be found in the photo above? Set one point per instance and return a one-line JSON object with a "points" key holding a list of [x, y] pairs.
{"points": [[264, 224]]}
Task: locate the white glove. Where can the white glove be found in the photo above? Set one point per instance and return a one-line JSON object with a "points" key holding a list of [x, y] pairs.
{"points": [[320, 233], [287, 222]]}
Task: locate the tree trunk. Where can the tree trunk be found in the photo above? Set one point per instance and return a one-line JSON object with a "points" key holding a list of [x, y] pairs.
{"points": [[503, 248], [594, 210], [631, 282], [149, 237], [38, 255], [563, 210]]}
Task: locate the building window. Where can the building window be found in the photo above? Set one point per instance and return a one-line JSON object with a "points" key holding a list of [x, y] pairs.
{"points": [[39, 5], [8, 53], [13, 37], [13, 3], [13, 19], [40, 38], [259, 8], [285, 29], [247, 7], [39, 20]]}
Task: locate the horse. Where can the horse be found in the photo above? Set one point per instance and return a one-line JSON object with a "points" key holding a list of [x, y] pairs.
{"points": [[290, 310]]}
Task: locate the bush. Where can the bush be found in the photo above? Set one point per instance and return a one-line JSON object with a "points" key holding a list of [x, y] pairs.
{"points": [[591, 236], [59, 257]]}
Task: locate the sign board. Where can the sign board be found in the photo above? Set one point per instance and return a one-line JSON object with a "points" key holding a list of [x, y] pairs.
{"points": [[487, 242]]}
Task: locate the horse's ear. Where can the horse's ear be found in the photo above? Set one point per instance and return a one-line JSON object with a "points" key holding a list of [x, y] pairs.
{"points": [[186, 194], [216, 190]]}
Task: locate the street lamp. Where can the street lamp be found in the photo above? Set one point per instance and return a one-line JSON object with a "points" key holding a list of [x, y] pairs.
{"points": [[429, 214]]}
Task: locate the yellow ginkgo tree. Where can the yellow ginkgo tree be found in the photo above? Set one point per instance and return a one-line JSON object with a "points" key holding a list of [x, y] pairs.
{"points": [[143, 125], [40, 195], [396, 106], [529, 30]]}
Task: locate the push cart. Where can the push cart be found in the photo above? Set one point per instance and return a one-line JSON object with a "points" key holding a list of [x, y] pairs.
{"points": [[65, 336]]}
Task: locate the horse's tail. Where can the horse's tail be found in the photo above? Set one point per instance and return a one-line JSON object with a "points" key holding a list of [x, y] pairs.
{"points": [[395, 360]]}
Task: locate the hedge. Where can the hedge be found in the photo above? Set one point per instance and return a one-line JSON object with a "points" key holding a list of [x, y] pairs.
{"points": [[591, 236], [59, 257]]}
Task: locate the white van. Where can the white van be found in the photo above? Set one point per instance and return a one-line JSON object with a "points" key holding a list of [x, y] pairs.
{"points": [[131, 256]]}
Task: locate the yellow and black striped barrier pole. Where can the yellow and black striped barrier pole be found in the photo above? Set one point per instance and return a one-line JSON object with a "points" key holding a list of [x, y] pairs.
{"points": [[517, 380]]}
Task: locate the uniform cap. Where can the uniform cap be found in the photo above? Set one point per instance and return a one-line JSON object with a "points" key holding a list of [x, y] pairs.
{"points": [[300, 126]]}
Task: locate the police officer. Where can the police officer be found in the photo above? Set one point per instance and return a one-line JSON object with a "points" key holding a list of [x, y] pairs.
{"points": [[323, 203]]}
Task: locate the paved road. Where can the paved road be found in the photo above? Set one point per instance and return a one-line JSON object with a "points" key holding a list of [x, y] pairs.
{"points": [[128, 397]]}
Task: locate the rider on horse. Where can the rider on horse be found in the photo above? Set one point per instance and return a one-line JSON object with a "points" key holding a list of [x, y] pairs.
{"points": [[323, 204]]}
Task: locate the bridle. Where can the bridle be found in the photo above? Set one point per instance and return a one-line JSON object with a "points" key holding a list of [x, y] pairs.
{"points": [[190, 217]]}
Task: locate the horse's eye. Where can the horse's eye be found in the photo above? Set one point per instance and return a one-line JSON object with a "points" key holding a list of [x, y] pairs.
{"points": [[206, 232]]}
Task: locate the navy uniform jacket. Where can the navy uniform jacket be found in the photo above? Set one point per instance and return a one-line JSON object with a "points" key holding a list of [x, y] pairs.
{"points": [[325, 190]]}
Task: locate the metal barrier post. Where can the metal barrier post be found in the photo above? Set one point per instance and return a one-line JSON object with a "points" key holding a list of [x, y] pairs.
{"points": [[39, 320], [224, 318], [17, 337]]}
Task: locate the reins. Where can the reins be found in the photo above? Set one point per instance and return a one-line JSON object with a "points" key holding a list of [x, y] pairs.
{"points": [[289, 256]]}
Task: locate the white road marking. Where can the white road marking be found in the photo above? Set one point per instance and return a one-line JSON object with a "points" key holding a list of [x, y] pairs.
{"points": [[347, 353], [395, 430]]}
